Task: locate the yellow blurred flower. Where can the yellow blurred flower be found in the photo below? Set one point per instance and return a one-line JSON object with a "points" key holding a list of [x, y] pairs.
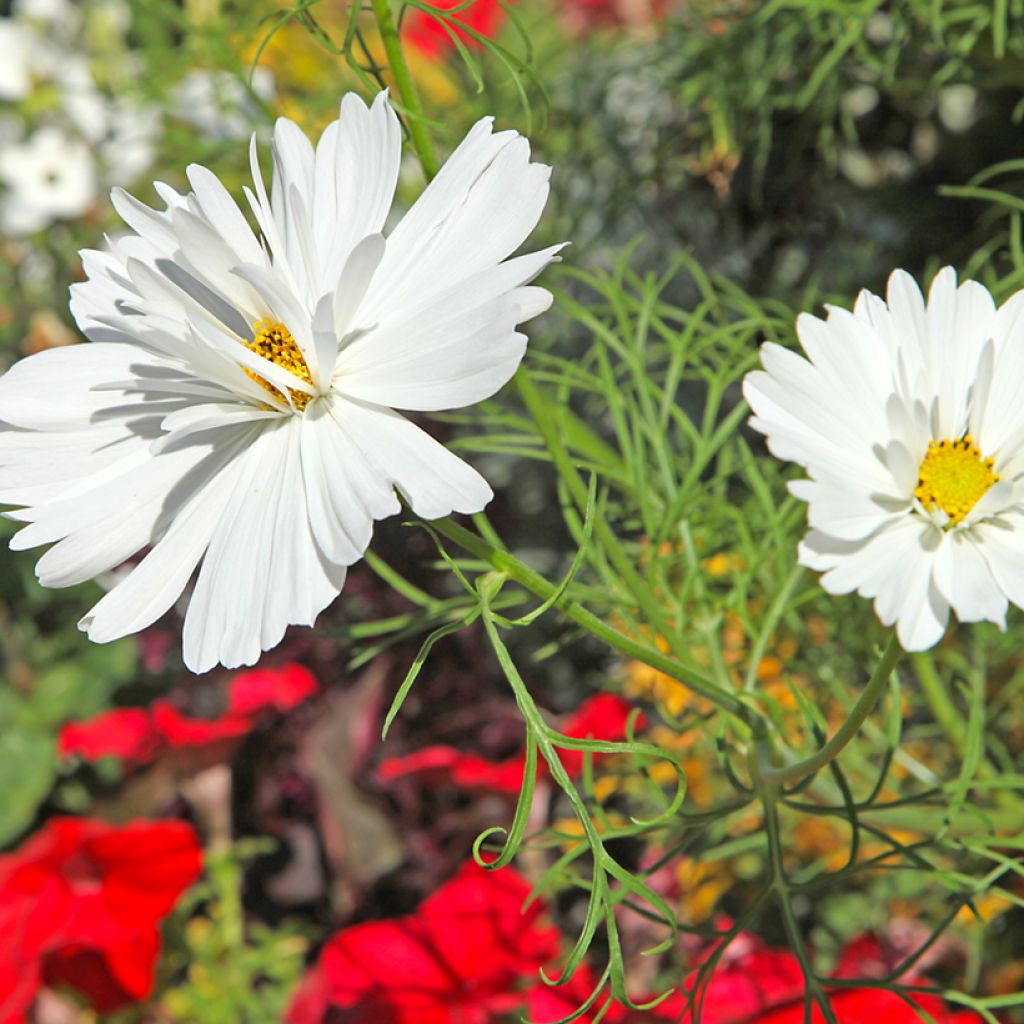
{"points": [[986, 909], [703, 883]]}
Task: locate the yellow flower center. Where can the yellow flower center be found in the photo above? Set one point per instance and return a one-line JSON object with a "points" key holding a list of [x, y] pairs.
{"points": [[953, 476], [274, 341]]}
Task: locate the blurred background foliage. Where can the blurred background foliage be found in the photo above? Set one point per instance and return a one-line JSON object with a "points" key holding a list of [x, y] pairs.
{"points": [[720, 165]]}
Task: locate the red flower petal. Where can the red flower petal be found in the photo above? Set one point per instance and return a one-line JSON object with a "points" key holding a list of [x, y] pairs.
{"points": [[283, 688], [430, 37], [456, 768], [855, 1006], [461, 957], [89, 972], [766, 986], [19, 968], [82, 901], [549, 1002], [601, 717], [178, 730], [126, 733]]}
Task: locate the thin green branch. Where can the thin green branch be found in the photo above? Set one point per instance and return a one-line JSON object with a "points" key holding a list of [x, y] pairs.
{"points": [[858, 713], [935, 692], [608, 542], [544, 589]]}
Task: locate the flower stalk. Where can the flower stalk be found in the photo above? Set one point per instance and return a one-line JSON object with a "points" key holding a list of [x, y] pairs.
{"points": [[406, 86]]}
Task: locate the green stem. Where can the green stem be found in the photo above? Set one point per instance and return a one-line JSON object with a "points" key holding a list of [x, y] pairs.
{"points": [[544, 589], [769, 795], [951, 721], [858, 713], [620, 560], [406, 87], [935, 693]]}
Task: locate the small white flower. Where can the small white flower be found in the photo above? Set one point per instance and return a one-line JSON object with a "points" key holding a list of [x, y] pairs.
{"points": [[909, 421], [55, 12], [235, 407], [16, 53], [49, 175], [86, 107], [130, 146], [217, 104]]}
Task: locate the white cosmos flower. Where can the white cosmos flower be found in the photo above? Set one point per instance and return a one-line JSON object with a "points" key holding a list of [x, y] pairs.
{"points": [[235, 406], [909, 421], [50, 175]]}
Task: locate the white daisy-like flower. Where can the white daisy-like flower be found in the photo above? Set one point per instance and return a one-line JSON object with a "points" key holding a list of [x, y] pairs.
{"points": [[235, 407], [909, 421], [48, 176]]}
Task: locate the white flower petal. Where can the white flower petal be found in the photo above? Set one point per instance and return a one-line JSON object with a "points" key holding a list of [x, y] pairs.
{"points": [[301, 581], [433, 480], [908, 325], [845, 512], [445, 361], [1002, 417], [480, 207], [1002, 545], [998, 498], [54, 389], [159, 579], [903, 466], [894, 566], [354, 280], [357, 163], [223, 214], [183, 424], [962, 577], [100, 528], [959, 322], [262, 544], [803, 417], [924, 614], [39, 467], [345, 491]]}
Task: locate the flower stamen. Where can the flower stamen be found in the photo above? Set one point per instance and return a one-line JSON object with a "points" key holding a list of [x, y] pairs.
{"points": [[274, 341], [953, 477]]}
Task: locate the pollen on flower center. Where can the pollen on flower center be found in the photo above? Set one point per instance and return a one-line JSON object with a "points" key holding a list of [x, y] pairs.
{"points": [[953, 476], [274, 341]]}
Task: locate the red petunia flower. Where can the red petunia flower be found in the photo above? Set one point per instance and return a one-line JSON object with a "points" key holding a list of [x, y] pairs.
{"points": [[80, 906], [766, 986], [429, 35], [261, 689], [456, 768], [177, 731], [139, 735], [603, 717], [462, 958], [127, 733]]}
